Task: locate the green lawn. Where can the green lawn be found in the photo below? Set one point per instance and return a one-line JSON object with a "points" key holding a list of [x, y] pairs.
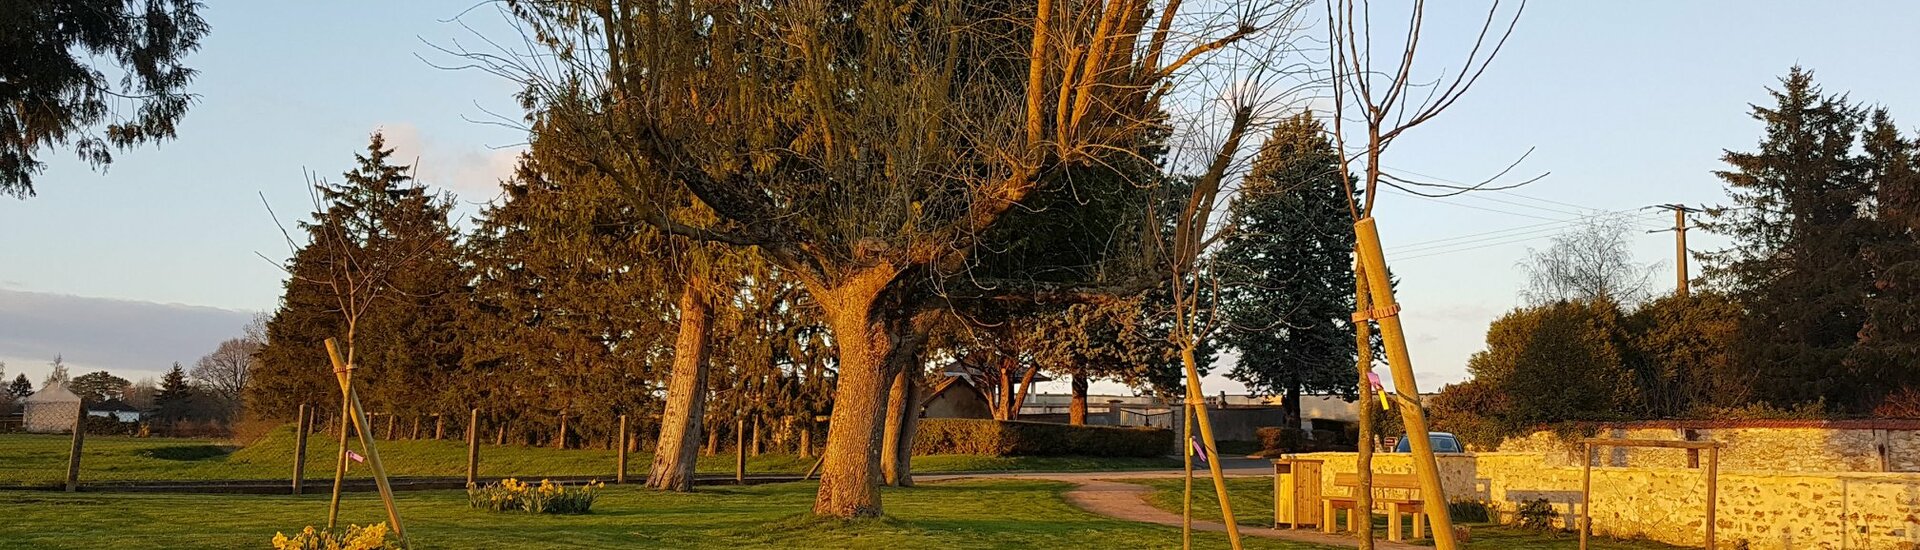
{"points": [[1253, 505], [968, 515], [42, 460]]}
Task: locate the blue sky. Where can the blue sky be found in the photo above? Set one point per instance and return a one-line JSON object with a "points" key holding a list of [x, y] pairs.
{"points": [[1627, 104]]}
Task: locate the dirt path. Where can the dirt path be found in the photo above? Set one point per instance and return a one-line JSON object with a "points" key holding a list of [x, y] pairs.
{"points": [[1096, 492]]}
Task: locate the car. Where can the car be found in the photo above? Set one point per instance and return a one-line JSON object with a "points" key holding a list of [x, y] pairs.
{"points": [[1443, 442]]}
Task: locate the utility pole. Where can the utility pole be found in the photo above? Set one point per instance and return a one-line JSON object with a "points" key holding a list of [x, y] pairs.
{"points": [[1679, 230]]}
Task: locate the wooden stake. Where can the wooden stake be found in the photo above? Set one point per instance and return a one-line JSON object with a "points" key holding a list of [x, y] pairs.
{"points": [[1713, 491], [300, 449], [620, 475], [439, 426], [343, 372], [1433, 495], [473, 446], [416, 429], [73, 454], [1586, 493], [740, 450], [561, 442]]}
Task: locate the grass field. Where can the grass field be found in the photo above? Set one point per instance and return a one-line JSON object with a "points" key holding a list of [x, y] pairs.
{"points": [[957, 515], [42, 460], [1253, 505]]}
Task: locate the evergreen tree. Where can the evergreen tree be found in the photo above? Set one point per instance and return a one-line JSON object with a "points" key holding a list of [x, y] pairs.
{"points": [[73, 65], [568, 305], [175, 399], [20, 388], [1795, 264], [1889, 347], [392, 236], [1287, 270]]}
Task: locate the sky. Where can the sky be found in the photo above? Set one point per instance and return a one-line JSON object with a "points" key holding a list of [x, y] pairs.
{"points": [[172, 249]]}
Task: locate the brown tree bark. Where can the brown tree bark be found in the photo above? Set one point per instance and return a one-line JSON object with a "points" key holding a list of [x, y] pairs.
{"points": [[678, 446], [850, 467], [903, 416], [1077, 408]]}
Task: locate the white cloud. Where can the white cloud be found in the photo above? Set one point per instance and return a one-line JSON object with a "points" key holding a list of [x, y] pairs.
{"points": [[473, 172]]}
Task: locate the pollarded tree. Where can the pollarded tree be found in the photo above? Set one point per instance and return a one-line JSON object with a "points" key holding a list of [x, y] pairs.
{"points": [[61, 58], [1287, 270], [853, 182]]}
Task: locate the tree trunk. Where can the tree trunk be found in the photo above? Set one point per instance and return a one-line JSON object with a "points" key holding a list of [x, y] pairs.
{"points": [[896, 454], [1020, 399], [756, 435], [1291, 408], [676, 449], [850, 467], [1077, 408]]}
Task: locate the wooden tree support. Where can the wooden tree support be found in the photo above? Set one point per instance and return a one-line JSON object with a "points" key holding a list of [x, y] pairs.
{"points": [[343, 371], [1407, 391], [1586, 477]]}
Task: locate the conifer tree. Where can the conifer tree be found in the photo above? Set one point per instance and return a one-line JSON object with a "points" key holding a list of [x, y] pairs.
{"points": [[21, 387], [1889, 347], [1287, 270], [1795, 263], [391, 235], [175, 397]]}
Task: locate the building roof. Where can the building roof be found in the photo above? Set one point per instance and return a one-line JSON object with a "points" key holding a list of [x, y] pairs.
{"points": [[53, 393], [112, 405]]}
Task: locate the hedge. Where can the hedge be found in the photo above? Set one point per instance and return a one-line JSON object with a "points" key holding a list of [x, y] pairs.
{"points": [[1014, 438]]}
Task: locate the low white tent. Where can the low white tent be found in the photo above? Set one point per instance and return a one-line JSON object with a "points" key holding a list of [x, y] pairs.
{"points": [[51, 410]]}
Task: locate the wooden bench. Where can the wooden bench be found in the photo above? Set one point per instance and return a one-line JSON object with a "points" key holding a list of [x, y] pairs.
{"points": [[1408, 484]]}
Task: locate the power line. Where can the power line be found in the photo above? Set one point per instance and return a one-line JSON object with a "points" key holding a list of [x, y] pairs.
{"points": [[1449, 250], [1549, 231], [1513, 231]]}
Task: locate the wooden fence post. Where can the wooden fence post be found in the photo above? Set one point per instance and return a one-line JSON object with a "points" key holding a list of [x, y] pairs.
{"points": [[473, 446], [300, 448], [416, 429], [740, 450], [392, 427], [1713, 492], [620, 476], [73, 454], [561, 442], [439, 426]]}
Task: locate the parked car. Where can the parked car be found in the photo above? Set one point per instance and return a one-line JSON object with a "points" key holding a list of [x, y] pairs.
{"points": [[1443, 442]]}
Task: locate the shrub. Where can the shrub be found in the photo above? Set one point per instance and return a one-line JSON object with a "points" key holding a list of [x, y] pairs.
{"points": [[1470, 511], [371, 537], [512, 495], [1536, 514], [1013, 438]]}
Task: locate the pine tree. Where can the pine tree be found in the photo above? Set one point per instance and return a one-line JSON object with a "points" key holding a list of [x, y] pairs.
{"points": [[20, 388], [1889, 346], [1798, 234], [568, 309], [175, 397], [392, 233], [1287, 270]]}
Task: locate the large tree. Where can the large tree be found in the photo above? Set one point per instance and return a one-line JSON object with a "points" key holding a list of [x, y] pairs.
{"points": [[21, 387], [98, 386], [174, 402], [1889, 345], [861, 146], [380, 272], [1592, 262], [96, 74], [1557, 362], [225, 372], [1798, 237], [1287, 270]]}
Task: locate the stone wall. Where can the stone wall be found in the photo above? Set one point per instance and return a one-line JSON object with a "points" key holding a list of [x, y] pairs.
{"points": [[1750, 446], [1776, 510]]}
